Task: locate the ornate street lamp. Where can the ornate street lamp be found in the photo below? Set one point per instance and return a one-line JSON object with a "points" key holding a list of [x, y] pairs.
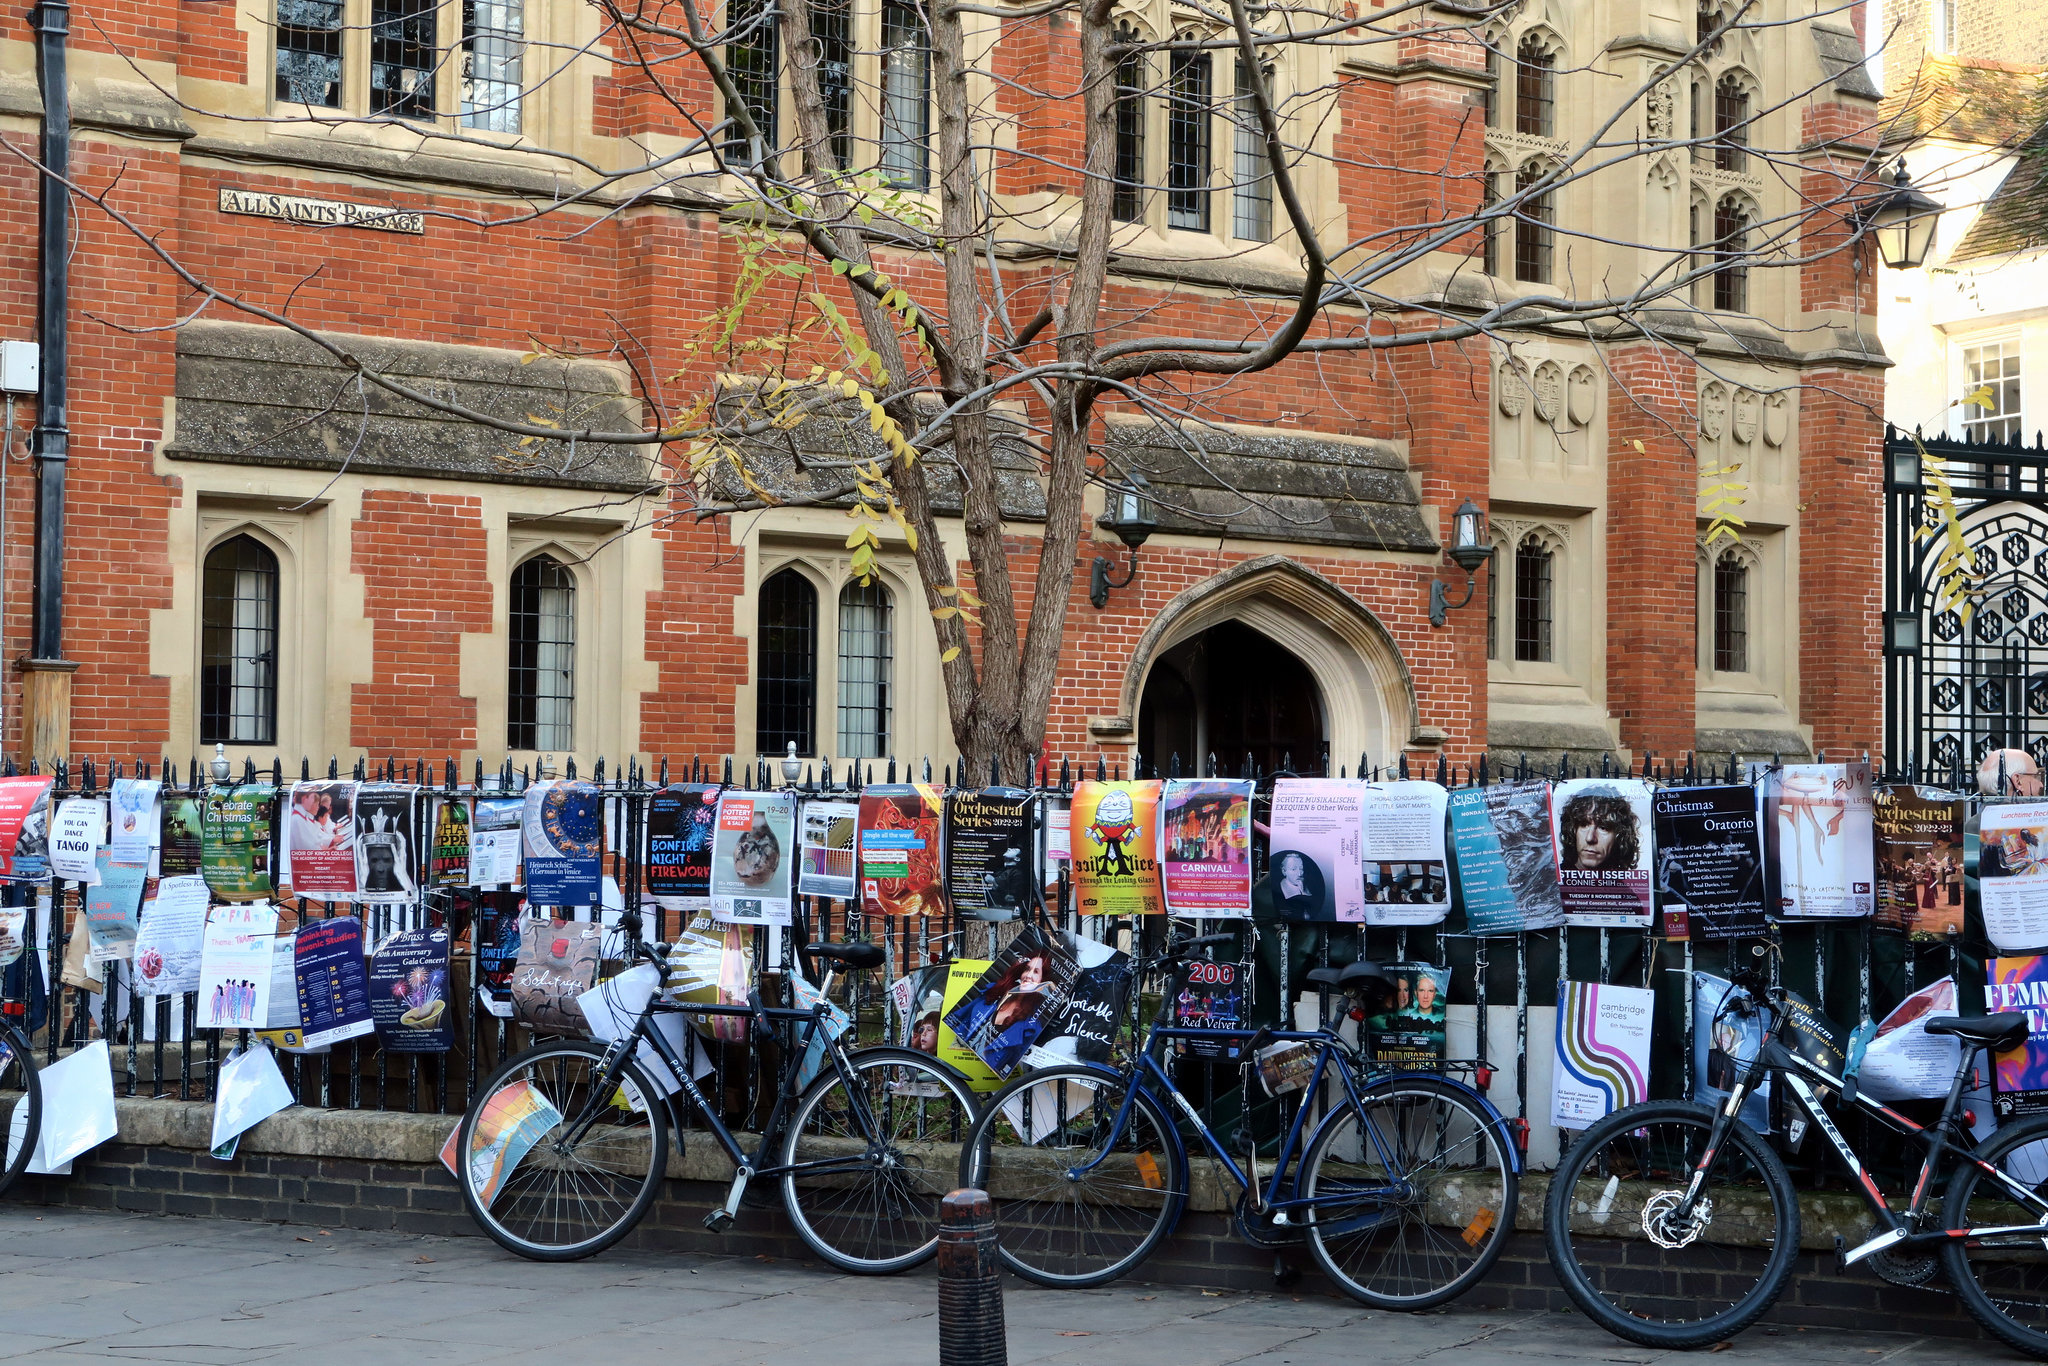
{"points": [[1903, 220], [1129, 515], [1469, 548]]}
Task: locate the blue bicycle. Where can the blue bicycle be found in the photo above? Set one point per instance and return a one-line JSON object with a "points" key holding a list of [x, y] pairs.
{"points": [[1404, 1190]]}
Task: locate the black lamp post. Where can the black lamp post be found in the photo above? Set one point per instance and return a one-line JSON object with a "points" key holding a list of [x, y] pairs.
{"points": [[1129, 515], [1903, 220], [1469, 548]]}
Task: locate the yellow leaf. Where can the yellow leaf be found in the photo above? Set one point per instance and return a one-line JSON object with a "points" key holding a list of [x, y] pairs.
{"points": [[910, 538], [950, 655], [850, 388], [942, 613], [944, 590], [1980, 397], [1638, 445]]}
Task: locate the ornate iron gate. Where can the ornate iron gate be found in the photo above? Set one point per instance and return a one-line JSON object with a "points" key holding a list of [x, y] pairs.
{"points": [[1955, 690]]}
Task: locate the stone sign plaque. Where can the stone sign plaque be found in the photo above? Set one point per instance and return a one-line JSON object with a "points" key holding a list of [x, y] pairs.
{"points": [[322, 213]]}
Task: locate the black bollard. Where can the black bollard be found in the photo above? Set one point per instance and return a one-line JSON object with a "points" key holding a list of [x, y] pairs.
{"points": [[970, 1283]]}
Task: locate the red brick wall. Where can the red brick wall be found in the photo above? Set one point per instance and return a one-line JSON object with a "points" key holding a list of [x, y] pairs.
{"points": [[422, 561]]}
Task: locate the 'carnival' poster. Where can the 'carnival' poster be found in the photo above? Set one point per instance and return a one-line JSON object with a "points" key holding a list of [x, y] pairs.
{"points": [[234, 966], [989, 866], [1116, 848], [235, 841], [1407, 874], [181, 848], [826, 844], [1205, 847], [2020, 1076], [1603, 1051], [494, 841], [899, 850], [1919, 861], [1507, 865], [562, 828], [680, 819], [451, 842], [1414, 1030], [752, 858], [409, 993], [1604, 836], [1710, 860], [1313, 871], [25, 828], [2012, 871], [320, 838], [332, 981], [1820, 823]]}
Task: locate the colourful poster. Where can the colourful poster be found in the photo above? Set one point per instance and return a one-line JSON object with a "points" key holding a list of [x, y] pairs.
{"points": [[333, 984], [2019, 1081], [961, 979], [1919, 861], [917, 1001], [1820, 828], [512, 1121], [1407, 871], [753, 857], [409, 993], [235, 841], [2012, 872], [135, 827], [989, 865], [1710, 860], [562, 828], [1116, 848], [680, 821], [234, 966], [1414, 1030], [497, 949], [25, 828], [494, 842], [899, 850], [1603, 1051], [1205, 847], [1314, 869], [113, 909], [451, 842], [320, 840], [1605, 832], [1507, 865], [181, 848], [827, 849], [1210, 997]]}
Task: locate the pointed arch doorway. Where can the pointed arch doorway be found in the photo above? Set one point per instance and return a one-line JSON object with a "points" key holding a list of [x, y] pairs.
{"points": [[1233, 691]]}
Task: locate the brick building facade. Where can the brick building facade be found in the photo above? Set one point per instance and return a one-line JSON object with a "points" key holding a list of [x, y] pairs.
{"points": [[261, 552]]}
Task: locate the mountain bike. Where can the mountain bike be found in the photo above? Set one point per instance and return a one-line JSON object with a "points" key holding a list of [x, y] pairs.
{"points": [[564, 1149], [1714, 1205], [21, 1104], [1404, 1189]]}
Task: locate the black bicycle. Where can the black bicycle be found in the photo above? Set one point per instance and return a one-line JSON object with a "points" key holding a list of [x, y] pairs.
{"points": [[565, 1147], [1674, 1225], [21, 1104]]}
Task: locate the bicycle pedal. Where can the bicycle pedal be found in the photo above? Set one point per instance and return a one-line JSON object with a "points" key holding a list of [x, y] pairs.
{"points": [[1841, 1254], [718, 1221]]}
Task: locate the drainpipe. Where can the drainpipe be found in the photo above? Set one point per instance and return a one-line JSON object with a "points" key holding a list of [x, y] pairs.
{"points": [[46, 674]]}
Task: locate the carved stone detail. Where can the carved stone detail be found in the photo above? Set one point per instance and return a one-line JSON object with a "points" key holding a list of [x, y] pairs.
{"points": [[1549, 390], [1777, 418], [1745, 415], [1513, 381], [1582, 399], [1714, 410]]}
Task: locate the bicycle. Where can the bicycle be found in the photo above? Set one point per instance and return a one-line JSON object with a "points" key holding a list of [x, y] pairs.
{"points": [[1697, 1181], [576, 1144], [21, 1104], [1405, 1190]]}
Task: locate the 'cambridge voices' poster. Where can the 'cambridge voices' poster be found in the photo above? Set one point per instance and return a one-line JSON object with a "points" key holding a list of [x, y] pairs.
{"points": [[1507, 865], [1205, 846], [1919, 861], [1820, 831], [1116, 848], [1710, 859], [1313, 871], [1603, 1051], [1604, 839]]}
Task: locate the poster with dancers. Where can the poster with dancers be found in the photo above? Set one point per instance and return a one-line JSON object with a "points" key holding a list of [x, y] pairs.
{"points": [[234, 966], [1820, 833], [1919, 861]]}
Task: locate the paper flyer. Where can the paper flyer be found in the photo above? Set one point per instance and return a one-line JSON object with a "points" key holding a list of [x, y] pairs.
{"points": [[1414, 1031], [78, 1108], [234, 966], [1313, 869], [113, 909], [2012, 868], [1710, 859], [181, 846], [613, 1006], [409, 993], [235, 841], [826, 842], [1722, 1051], [320, 839], [135, 826], [387, 842], [1407, 870], [917, 1001], [562, 829], [76, 836], [989, 866], [283, 1028], [1047, 993], [681, 819], [751, 858], [511, 1122], [1210, 997], [713, 964], [251, 1090], [1205, 847], [494, 842], [172, 934], [333, 983], [451, 842], [497, 950], [2019, 1079], [1820, 821], [1904, 1061], [962, 978], [1605, 843], [1603, 1051], [1507, 865], [25, 828], [899, 849], [1919, 861], [558, 962], [1115, 841]]}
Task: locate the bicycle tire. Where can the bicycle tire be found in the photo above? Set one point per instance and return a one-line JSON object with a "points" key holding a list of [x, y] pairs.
{"points": [[25, 1107], [552, 1203], [1444, 1232], [1653, 1146], [1048, 1229], [2014, 1282], [886, 1219]]}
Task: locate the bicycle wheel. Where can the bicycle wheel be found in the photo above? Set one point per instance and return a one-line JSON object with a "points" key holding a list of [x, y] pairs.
{"points": [[2002, 1281], [1079, 1198], [898, 1131], [1422, 1192], [21, 1106], [536, 1191], [1636, 1271]]}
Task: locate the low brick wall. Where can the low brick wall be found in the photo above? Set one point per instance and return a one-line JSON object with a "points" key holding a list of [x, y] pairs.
{"points": [[374, 1170]]}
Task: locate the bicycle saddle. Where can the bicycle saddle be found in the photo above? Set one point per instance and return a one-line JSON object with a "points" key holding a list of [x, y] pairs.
{"points": [[1350, 976], [854, 955], [1997, 1032]]}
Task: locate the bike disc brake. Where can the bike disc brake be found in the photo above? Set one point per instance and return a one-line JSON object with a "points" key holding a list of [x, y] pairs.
{"points": [[1657, 1220]]}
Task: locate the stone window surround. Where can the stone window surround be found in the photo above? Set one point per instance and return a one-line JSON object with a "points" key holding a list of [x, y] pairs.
{"points": [[259, 18]]}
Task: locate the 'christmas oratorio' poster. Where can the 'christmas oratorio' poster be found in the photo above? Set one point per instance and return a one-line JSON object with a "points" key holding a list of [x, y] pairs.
{"points": [[1919, 861], [1710, 860], [1116, 848], [1313, 869], [1507, 866], [1820, 824], [1604, 847]]}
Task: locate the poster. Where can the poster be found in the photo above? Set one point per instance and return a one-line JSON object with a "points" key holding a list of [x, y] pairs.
{"points": [[827, 847], [134, 820], [235, 841], [899, 850], [963, 975], [2019, 1079], [169, 939], [494, 842], [409, 993], [451, 842], [2012, 868], [1058, 853], [562, 829], [512, 1121], [113, 909], [333, 984], [1407, 871], [1919, 861], [234, 966], [78, 1108], [1603, 1051], [496, 933], [1313, 871], [284, 1027], [1210, 997], [988, 863], [25, 828], [1414, 1031], [1115, 847], [320, 839], [387, 842], [1820, 833], [1050, 994], [251, 1090], [1507, 865], [1904, 1061], [1710, 859], [181, 847], [558, 962], [1604, 832], [76, 835], [1205, 847], [680, 821], [1723, 1049], [712, 964], [751, 858], [918, 999]]}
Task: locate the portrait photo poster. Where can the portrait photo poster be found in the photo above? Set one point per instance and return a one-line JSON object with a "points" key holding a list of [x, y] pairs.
{"points": [[1205, 847], [1313, 869], [1606, 838]]}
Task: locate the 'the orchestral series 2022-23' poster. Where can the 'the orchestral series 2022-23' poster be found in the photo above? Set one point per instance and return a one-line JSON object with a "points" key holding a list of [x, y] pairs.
{"points": [[1919, 861]]}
